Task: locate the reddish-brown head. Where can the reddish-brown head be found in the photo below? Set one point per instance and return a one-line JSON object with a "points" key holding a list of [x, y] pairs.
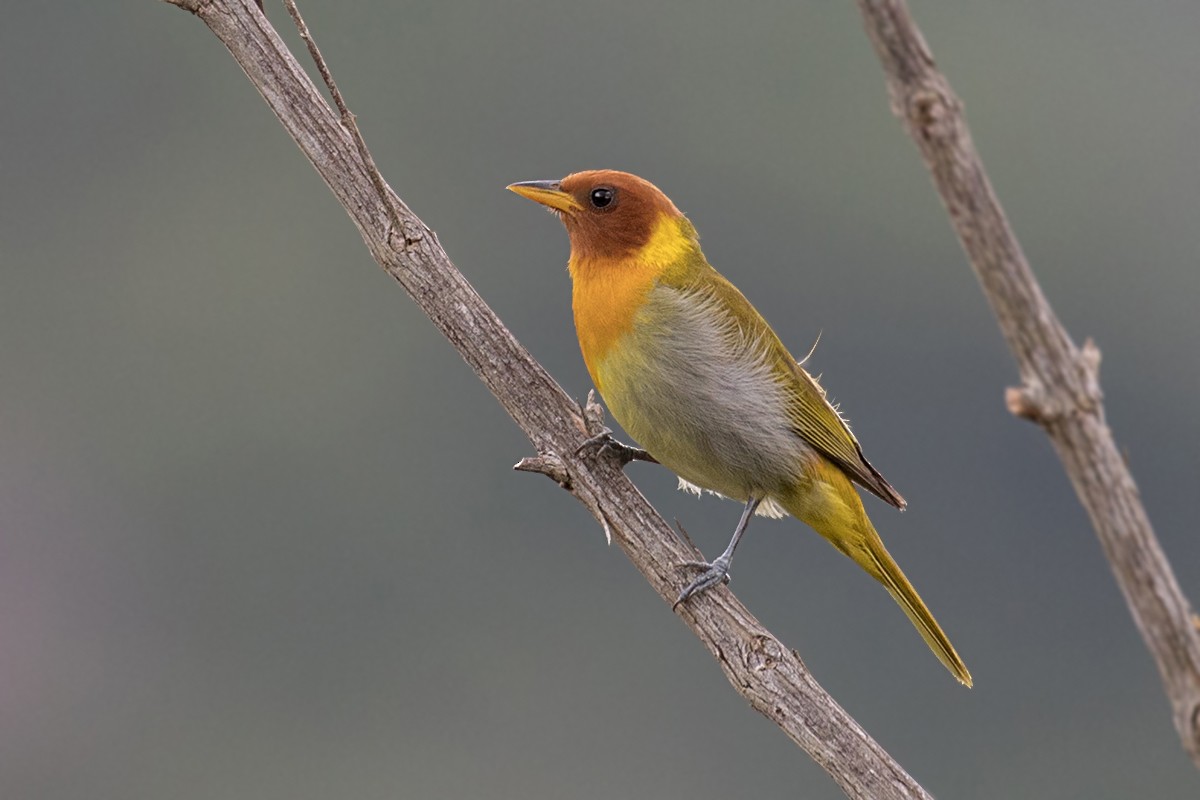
{"points": [[608, 214]]}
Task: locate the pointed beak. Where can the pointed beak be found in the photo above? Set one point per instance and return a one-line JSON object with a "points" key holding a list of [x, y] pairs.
{"points": [[548, 193]]}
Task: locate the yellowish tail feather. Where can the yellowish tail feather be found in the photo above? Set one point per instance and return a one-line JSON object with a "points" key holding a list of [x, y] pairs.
{"points": [[828, 503], [887, 572]]}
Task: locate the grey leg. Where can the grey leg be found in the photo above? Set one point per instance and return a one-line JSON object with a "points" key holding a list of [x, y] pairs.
{"points": [[718, 569]]}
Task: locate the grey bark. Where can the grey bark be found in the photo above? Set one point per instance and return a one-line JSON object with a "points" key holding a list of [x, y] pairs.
{"points": [[771, 677], [1060, 389]]}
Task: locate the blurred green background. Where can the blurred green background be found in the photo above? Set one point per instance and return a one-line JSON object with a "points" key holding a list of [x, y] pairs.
{"points": [[259, 534]]}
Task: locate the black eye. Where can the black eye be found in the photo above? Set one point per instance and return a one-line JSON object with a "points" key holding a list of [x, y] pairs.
{"points": [[601, 196]]}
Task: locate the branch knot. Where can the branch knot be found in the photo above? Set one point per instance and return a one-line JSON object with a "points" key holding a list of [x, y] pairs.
{"points": [[1074, 395], [933, 111], [764, 653]]}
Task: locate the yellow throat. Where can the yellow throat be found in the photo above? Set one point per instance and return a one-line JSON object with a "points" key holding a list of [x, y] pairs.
{"points": [[607, 293]]}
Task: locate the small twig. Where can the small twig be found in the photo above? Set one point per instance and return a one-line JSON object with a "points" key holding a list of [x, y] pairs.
{"points": [[350, 120], [687, 537], [547, 464]]}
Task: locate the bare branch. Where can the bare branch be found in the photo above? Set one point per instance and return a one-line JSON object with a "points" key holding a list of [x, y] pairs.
{"points": [[1060, 388], [770, 676]]}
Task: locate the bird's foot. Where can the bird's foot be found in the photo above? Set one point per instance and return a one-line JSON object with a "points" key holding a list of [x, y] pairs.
{"points": [[605, 443], [713, 573]]}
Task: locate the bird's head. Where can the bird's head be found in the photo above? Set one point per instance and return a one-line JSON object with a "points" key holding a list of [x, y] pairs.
{"points": [[608, 214]]}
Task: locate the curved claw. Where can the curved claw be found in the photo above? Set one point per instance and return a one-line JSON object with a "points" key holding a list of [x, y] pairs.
{"points": [[598, 442], [714, 573], [604, 442]]}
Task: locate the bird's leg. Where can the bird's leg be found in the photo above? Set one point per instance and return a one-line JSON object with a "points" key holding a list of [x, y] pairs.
{"points": [[605, 442], [718, 570]]}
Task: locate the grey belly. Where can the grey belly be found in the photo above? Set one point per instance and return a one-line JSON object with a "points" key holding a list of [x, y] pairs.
{"points": [[705, 405]]}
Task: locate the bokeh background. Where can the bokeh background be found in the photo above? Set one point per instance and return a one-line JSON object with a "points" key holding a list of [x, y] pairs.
{"points": [[259, 534]]}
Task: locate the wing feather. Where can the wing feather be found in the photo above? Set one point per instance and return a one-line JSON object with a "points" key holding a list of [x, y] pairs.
{"points": [[813, 418]]}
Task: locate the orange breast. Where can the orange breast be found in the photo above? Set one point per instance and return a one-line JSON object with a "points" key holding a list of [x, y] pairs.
{"points": [[608, 292], [605, 296]]}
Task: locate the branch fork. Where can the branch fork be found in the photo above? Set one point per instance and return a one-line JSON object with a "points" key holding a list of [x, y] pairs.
{"points": [[600, 443]]}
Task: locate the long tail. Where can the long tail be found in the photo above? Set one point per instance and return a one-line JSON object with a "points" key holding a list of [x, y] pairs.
{"points": [[831, 506], [884, 569]]}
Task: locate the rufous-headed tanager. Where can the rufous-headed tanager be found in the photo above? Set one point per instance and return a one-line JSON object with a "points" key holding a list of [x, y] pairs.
{"points": [[695, 374]]}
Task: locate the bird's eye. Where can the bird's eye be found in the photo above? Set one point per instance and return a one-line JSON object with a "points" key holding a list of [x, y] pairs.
{"points": [[601, 197]]}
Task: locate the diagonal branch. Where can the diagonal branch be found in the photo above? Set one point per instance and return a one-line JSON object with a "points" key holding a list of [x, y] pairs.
{"points": [[770, 676], [1060, 388]]}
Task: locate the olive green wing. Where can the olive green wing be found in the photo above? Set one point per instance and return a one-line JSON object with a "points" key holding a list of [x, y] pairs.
{"points": [[817, 422], [813, 418]]}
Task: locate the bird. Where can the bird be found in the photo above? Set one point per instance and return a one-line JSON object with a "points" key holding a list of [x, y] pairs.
{"points": [[696, 375]]}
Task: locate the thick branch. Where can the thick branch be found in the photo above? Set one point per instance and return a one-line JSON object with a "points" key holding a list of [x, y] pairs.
{"points": [[1060, 389], [770, 676]]}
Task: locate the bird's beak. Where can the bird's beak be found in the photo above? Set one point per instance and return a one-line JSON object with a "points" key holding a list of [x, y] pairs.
{"points": [[548, 193]]}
